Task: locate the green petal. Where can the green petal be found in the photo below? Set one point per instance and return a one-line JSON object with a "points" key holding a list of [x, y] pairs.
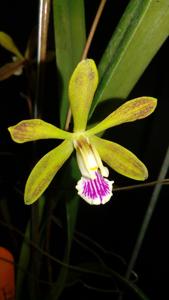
{"points": [[7, 42], [132, 110], [120, 159], [44, 171], [36, 129], [82, 87]]}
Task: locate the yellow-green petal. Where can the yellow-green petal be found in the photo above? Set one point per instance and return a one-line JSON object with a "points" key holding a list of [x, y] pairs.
{"points": [[7, 42], [120, 159], [45, 170], [132, 110], [36, 129], [82, 86]]}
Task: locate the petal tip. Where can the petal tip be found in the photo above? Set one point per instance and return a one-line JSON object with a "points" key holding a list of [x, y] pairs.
{"points": [[153, 102], [28, 200], [145, 174]]}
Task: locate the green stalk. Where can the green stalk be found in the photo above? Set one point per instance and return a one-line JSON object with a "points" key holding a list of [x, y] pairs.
{"points": [[148, 215]]}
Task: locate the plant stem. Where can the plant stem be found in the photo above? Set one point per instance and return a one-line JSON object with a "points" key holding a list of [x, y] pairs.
{"points": [[87, 46], [142, 185], [148, 215], [44, 11], [93, 28], [109, 274]]}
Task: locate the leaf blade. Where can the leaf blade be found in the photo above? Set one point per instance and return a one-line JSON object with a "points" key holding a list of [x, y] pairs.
{"points": [[139, 35], [69, 26]]}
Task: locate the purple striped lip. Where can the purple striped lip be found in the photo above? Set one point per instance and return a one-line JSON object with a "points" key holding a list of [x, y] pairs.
{"points": [[95, 191]]}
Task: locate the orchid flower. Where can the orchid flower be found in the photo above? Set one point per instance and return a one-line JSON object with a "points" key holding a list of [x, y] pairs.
{"points": [[91, 150]]}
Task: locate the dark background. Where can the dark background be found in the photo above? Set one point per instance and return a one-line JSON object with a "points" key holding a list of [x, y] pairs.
{"points": [[116, 225]]}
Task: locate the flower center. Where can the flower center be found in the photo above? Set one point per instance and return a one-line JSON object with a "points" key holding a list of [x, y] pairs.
{"points": [[88, 159], [92, 186]]}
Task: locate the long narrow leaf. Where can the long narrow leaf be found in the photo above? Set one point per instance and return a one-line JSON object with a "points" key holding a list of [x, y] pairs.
{"points": [[71, 214], [69, 28], [140, 33]]}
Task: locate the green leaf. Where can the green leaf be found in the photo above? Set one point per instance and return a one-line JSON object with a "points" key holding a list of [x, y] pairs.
{"points": [[7, 42], [69, 27], [71, 212], [72, 203], [140, 33]]}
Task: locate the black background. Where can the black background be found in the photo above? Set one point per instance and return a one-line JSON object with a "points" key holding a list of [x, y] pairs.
{"points": [[116, 225]]}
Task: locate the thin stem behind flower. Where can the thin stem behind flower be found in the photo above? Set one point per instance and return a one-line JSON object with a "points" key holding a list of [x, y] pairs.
{"points": [[44, 11], [142, 185], [148, 215]]}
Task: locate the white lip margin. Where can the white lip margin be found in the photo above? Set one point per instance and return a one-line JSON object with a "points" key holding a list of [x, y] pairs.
{"points": [[96, 201]]}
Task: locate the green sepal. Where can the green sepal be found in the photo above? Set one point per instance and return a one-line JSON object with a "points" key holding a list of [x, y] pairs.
{"points": [[82, 86], [130, 111], [120, 159], [36, 129], [7, 42], [45, 170]]}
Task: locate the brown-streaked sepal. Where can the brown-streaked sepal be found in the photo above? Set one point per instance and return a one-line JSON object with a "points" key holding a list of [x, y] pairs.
{"points": [[11, 68], [82, 86], [45, 170], [130, 111], [36, 129], [120, 159]]}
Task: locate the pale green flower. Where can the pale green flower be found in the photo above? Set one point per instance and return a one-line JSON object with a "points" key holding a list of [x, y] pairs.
{"points": [[91, 150]]}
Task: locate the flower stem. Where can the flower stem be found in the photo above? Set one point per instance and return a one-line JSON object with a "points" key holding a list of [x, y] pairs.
{"points": [[148, 215], [93, 28], [142, 185], [44, 11], [87, 46]]}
